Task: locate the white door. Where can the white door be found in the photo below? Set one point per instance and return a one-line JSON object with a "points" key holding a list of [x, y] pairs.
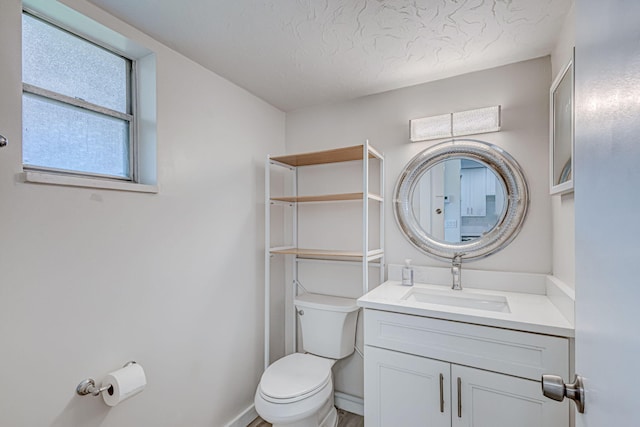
{"points": [[405, 390], [487, 399], [452, 219], [607, 201], [437, 201]]}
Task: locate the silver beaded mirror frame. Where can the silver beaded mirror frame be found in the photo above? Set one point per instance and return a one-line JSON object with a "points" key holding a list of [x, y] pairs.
{"points": [[500, 163]]}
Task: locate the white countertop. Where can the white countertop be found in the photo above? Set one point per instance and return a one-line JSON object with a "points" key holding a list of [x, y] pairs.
{"points": [[529, 312]]}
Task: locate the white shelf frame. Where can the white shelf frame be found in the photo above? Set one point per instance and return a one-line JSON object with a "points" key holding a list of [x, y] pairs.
{"points": [[365, 259]]}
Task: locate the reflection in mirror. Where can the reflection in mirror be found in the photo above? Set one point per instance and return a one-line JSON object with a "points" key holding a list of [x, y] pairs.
{"points": [[458, 200], [561, 136], [563, 111]]}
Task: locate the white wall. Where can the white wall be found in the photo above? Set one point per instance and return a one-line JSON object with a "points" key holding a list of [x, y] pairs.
{"points": [[563, 50], [562, 206], [522, 89], [90, 279]]}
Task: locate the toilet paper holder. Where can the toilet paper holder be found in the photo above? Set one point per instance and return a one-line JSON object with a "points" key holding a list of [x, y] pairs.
{"points": [[88, 386]]}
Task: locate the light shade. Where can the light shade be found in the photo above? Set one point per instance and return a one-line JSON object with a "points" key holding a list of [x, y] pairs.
{"points": [[470, 122], [481, 120], [433, 127]]}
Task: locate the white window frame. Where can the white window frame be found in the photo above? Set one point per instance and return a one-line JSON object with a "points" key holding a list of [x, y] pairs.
{"points": [[142, 103]]}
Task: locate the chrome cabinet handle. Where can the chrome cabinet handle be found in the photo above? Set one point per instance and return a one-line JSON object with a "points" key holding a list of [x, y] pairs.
{"points": [[459, 398], [554, 388], [441, 393], [3, 141]]}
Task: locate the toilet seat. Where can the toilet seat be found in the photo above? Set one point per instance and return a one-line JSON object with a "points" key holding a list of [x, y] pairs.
{"points": [[295, 377], [315, 405]]}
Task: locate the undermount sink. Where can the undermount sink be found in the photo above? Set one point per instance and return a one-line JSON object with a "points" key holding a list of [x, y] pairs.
{"points": [[458, 299]]}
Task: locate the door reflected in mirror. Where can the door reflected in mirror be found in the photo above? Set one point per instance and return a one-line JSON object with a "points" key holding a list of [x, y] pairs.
{"points": [[458, 200]]}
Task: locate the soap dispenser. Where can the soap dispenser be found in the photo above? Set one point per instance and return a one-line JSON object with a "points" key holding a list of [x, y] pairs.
{"points": [[407, 273]]}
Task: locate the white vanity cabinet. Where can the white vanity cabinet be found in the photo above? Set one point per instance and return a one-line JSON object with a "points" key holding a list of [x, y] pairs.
{"points": [[404, 390], [422, 371]]}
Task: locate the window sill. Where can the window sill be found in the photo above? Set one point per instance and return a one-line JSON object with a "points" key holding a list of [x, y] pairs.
{"points": [[76, 181]]}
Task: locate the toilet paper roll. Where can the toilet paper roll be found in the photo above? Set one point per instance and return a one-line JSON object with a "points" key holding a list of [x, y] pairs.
{"points": [[125, 382]]}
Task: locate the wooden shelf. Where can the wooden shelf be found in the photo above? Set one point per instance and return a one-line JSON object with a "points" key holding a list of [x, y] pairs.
{"points": [[283, 251], [328, 254], [323, 157], [327, 198]]}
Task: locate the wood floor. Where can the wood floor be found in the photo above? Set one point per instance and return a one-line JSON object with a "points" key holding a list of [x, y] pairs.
{"points": [[345, 419]]}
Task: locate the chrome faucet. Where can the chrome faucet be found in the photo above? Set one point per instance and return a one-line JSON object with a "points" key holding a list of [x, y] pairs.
{"points": [[456, 272]]}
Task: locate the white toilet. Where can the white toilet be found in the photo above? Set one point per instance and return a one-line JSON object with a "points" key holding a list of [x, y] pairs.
{"points": [[297, 390]]}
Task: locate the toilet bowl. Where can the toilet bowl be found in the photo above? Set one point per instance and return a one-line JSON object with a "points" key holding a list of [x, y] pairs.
{"points": [[297, 390]]}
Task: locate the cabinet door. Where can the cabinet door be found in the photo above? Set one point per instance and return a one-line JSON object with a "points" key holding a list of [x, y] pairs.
{"points": [[405, 390], [473, 188], [491, 182], [496, 400]]}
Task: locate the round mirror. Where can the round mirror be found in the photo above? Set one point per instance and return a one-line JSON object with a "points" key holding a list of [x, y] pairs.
{"points": [[461, 198]]}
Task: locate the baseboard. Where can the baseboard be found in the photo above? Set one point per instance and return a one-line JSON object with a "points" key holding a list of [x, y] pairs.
{"points": [[245, 418], [349, 403]]}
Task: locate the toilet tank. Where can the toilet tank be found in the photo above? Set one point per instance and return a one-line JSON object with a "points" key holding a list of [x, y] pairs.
{"points": [[328, 324]]}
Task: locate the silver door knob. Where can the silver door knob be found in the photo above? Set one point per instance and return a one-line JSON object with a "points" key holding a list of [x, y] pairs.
{"points": [[554, 388], [3, 141]]}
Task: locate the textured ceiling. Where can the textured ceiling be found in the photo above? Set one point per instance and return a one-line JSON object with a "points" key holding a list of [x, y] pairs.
{"points": [[296, 53]]}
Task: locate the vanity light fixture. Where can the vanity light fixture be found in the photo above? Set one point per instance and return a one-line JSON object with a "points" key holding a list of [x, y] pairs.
{"points": [[470, 122], [433, 127]]}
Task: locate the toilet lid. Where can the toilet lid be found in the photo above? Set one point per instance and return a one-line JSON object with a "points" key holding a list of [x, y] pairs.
{"points": [[295, 375]]}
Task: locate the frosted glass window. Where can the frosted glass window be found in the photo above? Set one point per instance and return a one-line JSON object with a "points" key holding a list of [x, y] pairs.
{"points": [[61, 136], [61, 62], [77, 114]]}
